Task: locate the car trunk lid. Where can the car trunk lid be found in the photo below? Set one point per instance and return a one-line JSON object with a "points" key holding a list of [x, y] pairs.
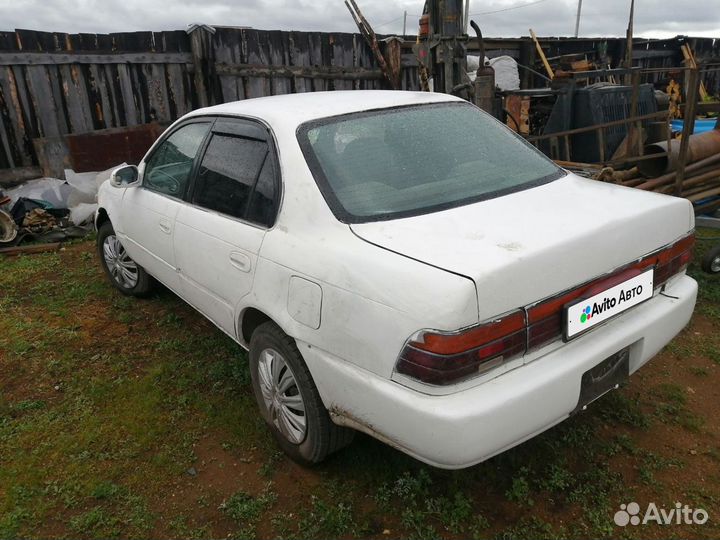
{"points": [[521, 248]]}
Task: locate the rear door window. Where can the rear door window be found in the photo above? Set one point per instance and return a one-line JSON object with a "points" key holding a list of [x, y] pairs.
{"points": [[237, 178]]}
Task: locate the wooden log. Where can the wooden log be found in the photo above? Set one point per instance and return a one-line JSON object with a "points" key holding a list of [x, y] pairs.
{"points": [[29, 248], [545, 62]]}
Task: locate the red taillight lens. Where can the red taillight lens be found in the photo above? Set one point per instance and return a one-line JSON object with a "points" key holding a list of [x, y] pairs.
{"points": [[441, 358], [445, 358], [545, 320], [673, 260]]}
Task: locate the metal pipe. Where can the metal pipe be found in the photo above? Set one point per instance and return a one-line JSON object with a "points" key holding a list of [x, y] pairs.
{"points": [[699, 147], [577, 19], [670, 177]]}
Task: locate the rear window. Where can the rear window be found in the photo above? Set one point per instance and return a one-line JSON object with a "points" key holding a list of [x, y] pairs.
{"points": [[413, 160]]}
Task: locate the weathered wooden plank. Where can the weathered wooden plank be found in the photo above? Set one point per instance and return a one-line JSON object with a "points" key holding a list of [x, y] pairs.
{"points": [[99, 90], [76, 99], [364, 58], [157, 92], [279, 55], [44, 58], [172, 41], [41, 96], [133, 41], [20, 138], [104, 42], [224, 53], [27, 109], [114, 95], [343, 57], [8, 41], [128, 96], [300, 57], [177, 98], [7, 151], [325, 73], [257, 55], [57, 95], [27, 40], [140, 89], [88, 42], [317, 58]]}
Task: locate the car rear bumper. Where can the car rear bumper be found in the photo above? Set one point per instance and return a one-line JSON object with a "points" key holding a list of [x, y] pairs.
{"points": [[462, 429]]}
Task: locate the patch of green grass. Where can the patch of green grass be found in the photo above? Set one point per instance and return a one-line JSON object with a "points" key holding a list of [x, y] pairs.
{"points": [[427, 508], [532, 527], [620, 408], [519, 491], [699, 372], [244, 508], [671, 407], [327, 520]]}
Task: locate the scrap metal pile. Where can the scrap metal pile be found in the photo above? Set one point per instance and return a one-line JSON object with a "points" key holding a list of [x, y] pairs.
{"points": [[48, 210], [698, 180]]}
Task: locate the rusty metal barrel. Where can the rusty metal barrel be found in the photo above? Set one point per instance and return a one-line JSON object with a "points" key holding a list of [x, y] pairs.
{"points": [[700, 146]]}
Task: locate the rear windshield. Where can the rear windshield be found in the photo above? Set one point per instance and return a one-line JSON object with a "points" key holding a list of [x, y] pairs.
{"points": [[414, 160]]}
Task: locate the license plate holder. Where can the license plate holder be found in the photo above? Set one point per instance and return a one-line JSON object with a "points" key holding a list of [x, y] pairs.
{"points": [[608, 375], [584, 314]]}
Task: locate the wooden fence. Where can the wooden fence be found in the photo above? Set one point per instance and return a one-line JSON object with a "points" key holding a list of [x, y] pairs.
{"points": [[55, 84]]}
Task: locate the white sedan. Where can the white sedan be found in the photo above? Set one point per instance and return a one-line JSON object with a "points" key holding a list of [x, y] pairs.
{"points": [[401, 264]]}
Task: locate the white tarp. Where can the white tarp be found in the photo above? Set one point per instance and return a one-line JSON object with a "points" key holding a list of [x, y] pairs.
{"points": [[507, 76], [78, 193]]}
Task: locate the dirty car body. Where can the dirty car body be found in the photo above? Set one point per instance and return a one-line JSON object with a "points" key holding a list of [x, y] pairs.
{"points": [[449, 289]]}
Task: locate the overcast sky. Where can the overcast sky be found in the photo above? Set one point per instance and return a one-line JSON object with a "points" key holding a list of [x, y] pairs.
{"points": [[653, 18]]}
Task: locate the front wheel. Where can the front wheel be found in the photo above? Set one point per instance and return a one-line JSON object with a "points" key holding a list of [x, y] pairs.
{"points": [[289, 400], [125, 274], [711, 261]]}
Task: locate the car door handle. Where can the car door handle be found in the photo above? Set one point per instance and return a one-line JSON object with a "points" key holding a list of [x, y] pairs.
{"points": [[164, 225], [240, 261]]}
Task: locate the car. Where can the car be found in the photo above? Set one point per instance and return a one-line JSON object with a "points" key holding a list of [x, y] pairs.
{"points": [[400, 264]]}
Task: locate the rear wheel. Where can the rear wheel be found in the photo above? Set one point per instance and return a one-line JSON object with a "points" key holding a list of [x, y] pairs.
{"points": [[288, 399], [711, 261], [125, 274]]}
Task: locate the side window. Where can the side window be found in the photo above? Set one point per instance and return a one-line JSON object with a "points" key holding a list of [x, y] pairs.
{"points": [[228, 174], [169, 167], [262, 205]]}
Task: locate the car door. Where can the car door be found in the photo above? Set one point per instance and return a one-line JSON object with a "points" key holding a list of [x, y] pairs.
{"points": [[148, 212], [233, 202]]}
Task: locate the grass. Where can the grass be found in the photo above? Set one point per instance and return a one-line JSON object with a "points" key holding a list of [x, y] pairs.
{"points": [[107, 402]]}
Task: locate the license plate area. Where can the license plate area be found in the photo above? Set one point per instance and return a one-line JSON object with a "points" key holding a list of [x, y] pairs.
{"points": [[608, 375], [594, 309]]}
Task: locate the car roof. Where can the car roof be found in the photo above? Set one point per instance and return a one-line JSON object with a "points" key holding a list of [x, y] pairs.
{"points": [[291, 110]]}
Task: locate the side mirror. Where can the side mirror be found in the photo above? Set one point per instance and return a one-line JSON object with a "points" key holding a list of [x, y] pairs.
{"points": [[125, 176]]}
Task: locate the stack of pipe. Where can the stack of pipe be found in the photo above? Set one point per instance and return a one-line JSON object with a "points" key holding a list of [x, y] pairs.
{"points": [[701, 179]]}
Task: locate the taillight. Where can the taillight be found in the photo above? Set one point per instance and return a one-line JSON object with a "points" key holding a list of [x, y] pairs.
{"points": [[443, 358], [545, 319], [673, 260]]}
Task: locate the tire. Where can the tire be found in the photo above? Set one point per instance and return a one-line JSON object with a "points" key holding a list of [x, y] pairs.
{"points": [[126, 275], [711, 261], [273, 357]]}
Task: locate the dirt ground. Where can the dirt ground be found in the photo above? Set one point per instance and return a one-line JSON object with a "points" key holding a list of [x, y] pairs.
{"points": [[125, 418]]}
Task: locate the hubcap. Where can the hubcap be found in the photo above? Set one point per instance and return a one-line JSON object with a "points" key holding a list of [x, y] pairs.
{"points": [[122, 268], [282, 396], [715, 264]]}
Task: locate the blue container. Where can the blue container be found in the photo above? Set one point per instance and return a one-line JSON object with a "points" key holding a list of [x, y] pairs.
{"points": [[701, 126]]}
